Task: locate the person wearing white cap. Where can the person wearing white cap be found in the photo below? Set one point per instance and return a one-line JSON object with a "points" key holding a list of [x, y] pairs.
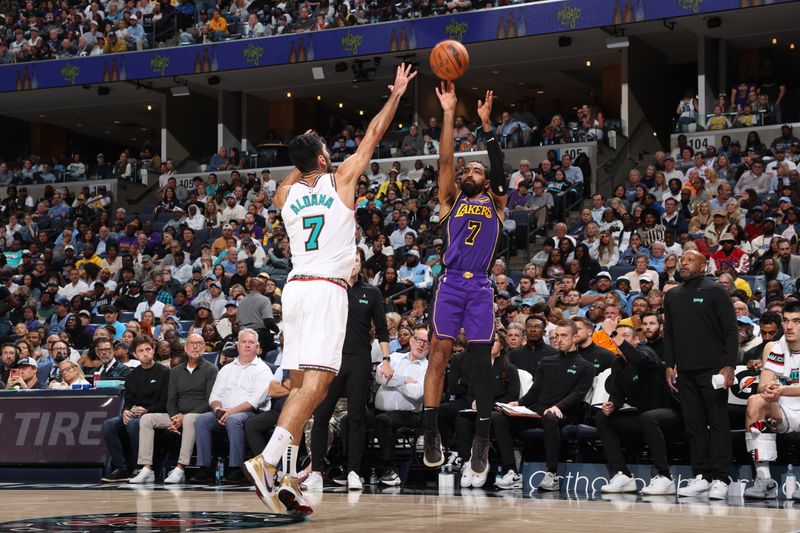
{"points": [[414, 273], [134, 34], [24, 375], [642, 269]]}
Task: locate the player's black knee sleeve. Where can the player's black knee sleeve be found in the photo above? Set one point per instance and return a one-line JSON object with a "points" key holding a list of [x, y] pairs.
{"points": [[483, 379]]}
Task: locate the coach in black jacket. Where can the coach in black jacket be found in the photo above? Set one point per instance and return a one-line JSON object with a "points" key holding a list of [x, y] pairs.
{"points": [[701, 340], [365, 310]]}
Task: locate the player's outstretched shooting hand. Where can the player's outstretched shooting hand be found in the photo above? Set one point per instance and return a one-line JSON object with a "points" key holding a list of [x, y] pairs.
{"points": [[447, 96], [485, 108]]}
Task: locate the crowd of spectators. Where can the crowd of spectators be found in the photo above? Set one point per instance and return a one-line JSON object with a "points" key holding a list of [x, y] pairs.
{"points": [[87, 287], [34, 169], [750, 104], [32, 31]]}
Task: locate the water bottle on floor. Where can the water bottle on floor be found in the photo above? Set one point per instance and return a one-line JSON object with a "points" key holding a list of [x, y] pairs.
{"points": [[791, 483], [219, 471]]}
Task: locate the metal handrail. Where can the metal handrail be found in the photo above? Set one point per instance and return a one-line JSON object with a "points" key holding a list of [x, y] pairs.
{"points": [[624, 150]]}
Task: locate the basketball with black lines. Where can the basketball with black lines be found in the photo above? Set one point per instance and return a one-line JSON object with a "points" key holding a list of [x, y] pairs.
{"points": [[449, 60]]}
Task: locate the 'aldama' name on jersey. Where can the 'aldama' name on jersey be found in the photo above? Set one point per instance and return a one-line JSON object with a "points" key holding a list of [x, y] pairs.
{"points": [[311, 200]]}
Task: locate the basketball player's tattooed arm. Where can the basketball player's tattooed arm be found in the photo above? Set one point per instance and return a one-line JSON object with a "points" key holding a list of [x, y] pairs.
{"points": [[497, 176], [353, 166], [448, 191], [283, 188]]}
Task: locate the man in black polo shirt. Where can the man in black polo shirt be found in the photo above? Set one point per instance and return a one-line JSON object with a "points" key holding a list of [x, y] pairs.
{"points": [[365, 309], [528, 356]]}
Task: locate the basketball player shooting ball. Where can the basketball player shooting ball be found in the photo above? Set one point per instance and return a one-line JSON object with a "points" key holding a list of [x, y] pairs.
{"points": [[317, 208], [464, 297]]}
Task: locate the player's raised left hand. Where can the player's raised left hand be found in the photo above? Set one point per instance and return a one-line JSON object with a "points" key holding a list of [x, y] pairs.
{"points": [[401, 79]]}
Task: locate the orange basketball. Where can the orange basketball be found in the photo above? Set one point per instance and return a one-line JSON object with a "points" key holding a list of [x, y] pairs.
{"points": [[449, 60]]}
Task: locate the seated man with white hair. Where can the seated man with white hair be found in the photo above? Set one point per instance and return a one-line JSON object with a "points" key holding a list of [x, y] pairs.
{"points": [[190, 386], [241, 390]]}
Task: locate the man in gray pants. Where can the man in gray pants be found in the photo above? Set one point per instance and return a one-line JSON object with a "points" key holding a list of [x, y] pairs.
{"points": [[190, 386]]}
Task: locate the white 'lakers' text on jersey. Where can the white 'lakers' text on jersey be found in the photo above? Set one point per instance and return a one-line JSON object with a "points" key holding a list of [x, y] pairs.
{"points": [[321, 230]]}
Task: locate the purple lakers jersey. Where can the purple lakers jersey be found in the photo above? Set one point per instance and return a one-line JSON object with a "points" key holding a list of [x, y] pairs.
{"points": [[473, 228]]}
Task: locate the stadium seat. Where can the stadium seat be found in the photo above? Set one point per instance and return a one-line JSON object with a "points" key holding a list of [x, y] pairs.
{"points": [[185, 325], [211, 357], [125, 316], [619, 270], [146, 217], [201, 235]]}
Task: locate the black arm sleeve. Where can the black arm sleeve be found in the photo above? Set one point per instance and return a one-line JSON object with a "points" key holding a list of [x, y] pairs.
{"points": [[379, 317], [271, 326], [497, 177]]}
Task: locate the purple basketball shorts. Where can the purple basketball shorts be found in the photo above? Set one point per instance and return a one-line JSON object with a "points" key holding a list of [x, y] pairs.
{"points": [[463, 300]]}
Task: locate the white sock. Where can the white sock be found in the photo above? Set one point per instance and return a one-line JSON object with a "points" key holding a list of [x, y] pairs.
{"points": [[290, 459], [762, 469], [280, 440]]}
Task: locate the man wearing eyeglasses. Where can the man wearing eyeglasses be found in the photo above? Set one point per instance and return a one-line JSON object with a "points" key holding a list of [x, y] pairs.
{"points": [[111, 368], [398, 401], [190, 386]]}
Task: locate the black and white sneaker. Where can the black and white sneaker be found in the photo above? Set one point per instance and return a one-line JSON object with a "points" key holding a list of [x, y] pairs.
{"points": [[117, 476], [341, 479], [511, 480], [390, 478]]}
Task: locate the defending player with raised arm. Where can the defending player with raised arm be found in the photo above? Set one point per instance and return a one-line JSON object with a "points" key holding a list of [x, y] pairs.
{"points": [[464, 297], [317, 209]]}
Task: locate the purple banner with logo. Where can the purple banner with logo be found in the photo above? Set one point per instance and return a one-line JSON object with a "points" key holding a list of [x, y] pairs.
{"points": [[55, 427], [470, 27]]}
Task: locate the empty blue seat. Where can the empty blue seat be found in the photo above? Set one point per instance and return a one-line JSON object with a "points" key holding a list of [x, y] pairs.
{"points": [[620, 270], [211, 357]]}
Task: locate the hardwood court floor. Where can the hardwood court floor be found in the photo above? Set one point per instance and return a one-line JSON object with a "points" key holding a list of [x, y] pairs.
{"points": [[476, 511]]}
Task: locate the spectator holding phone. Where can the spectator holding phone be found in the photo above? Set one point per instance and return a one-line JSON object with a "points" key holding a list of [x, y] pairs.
{"points": [[24, 375]]}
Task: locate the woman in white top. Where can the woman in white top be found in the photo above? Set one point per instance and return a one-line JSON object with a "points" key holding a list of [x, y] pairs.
{"points": [[712, 182], [593, 122], [607, 252], [591, 238], [660, 188], [71, 374]]}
